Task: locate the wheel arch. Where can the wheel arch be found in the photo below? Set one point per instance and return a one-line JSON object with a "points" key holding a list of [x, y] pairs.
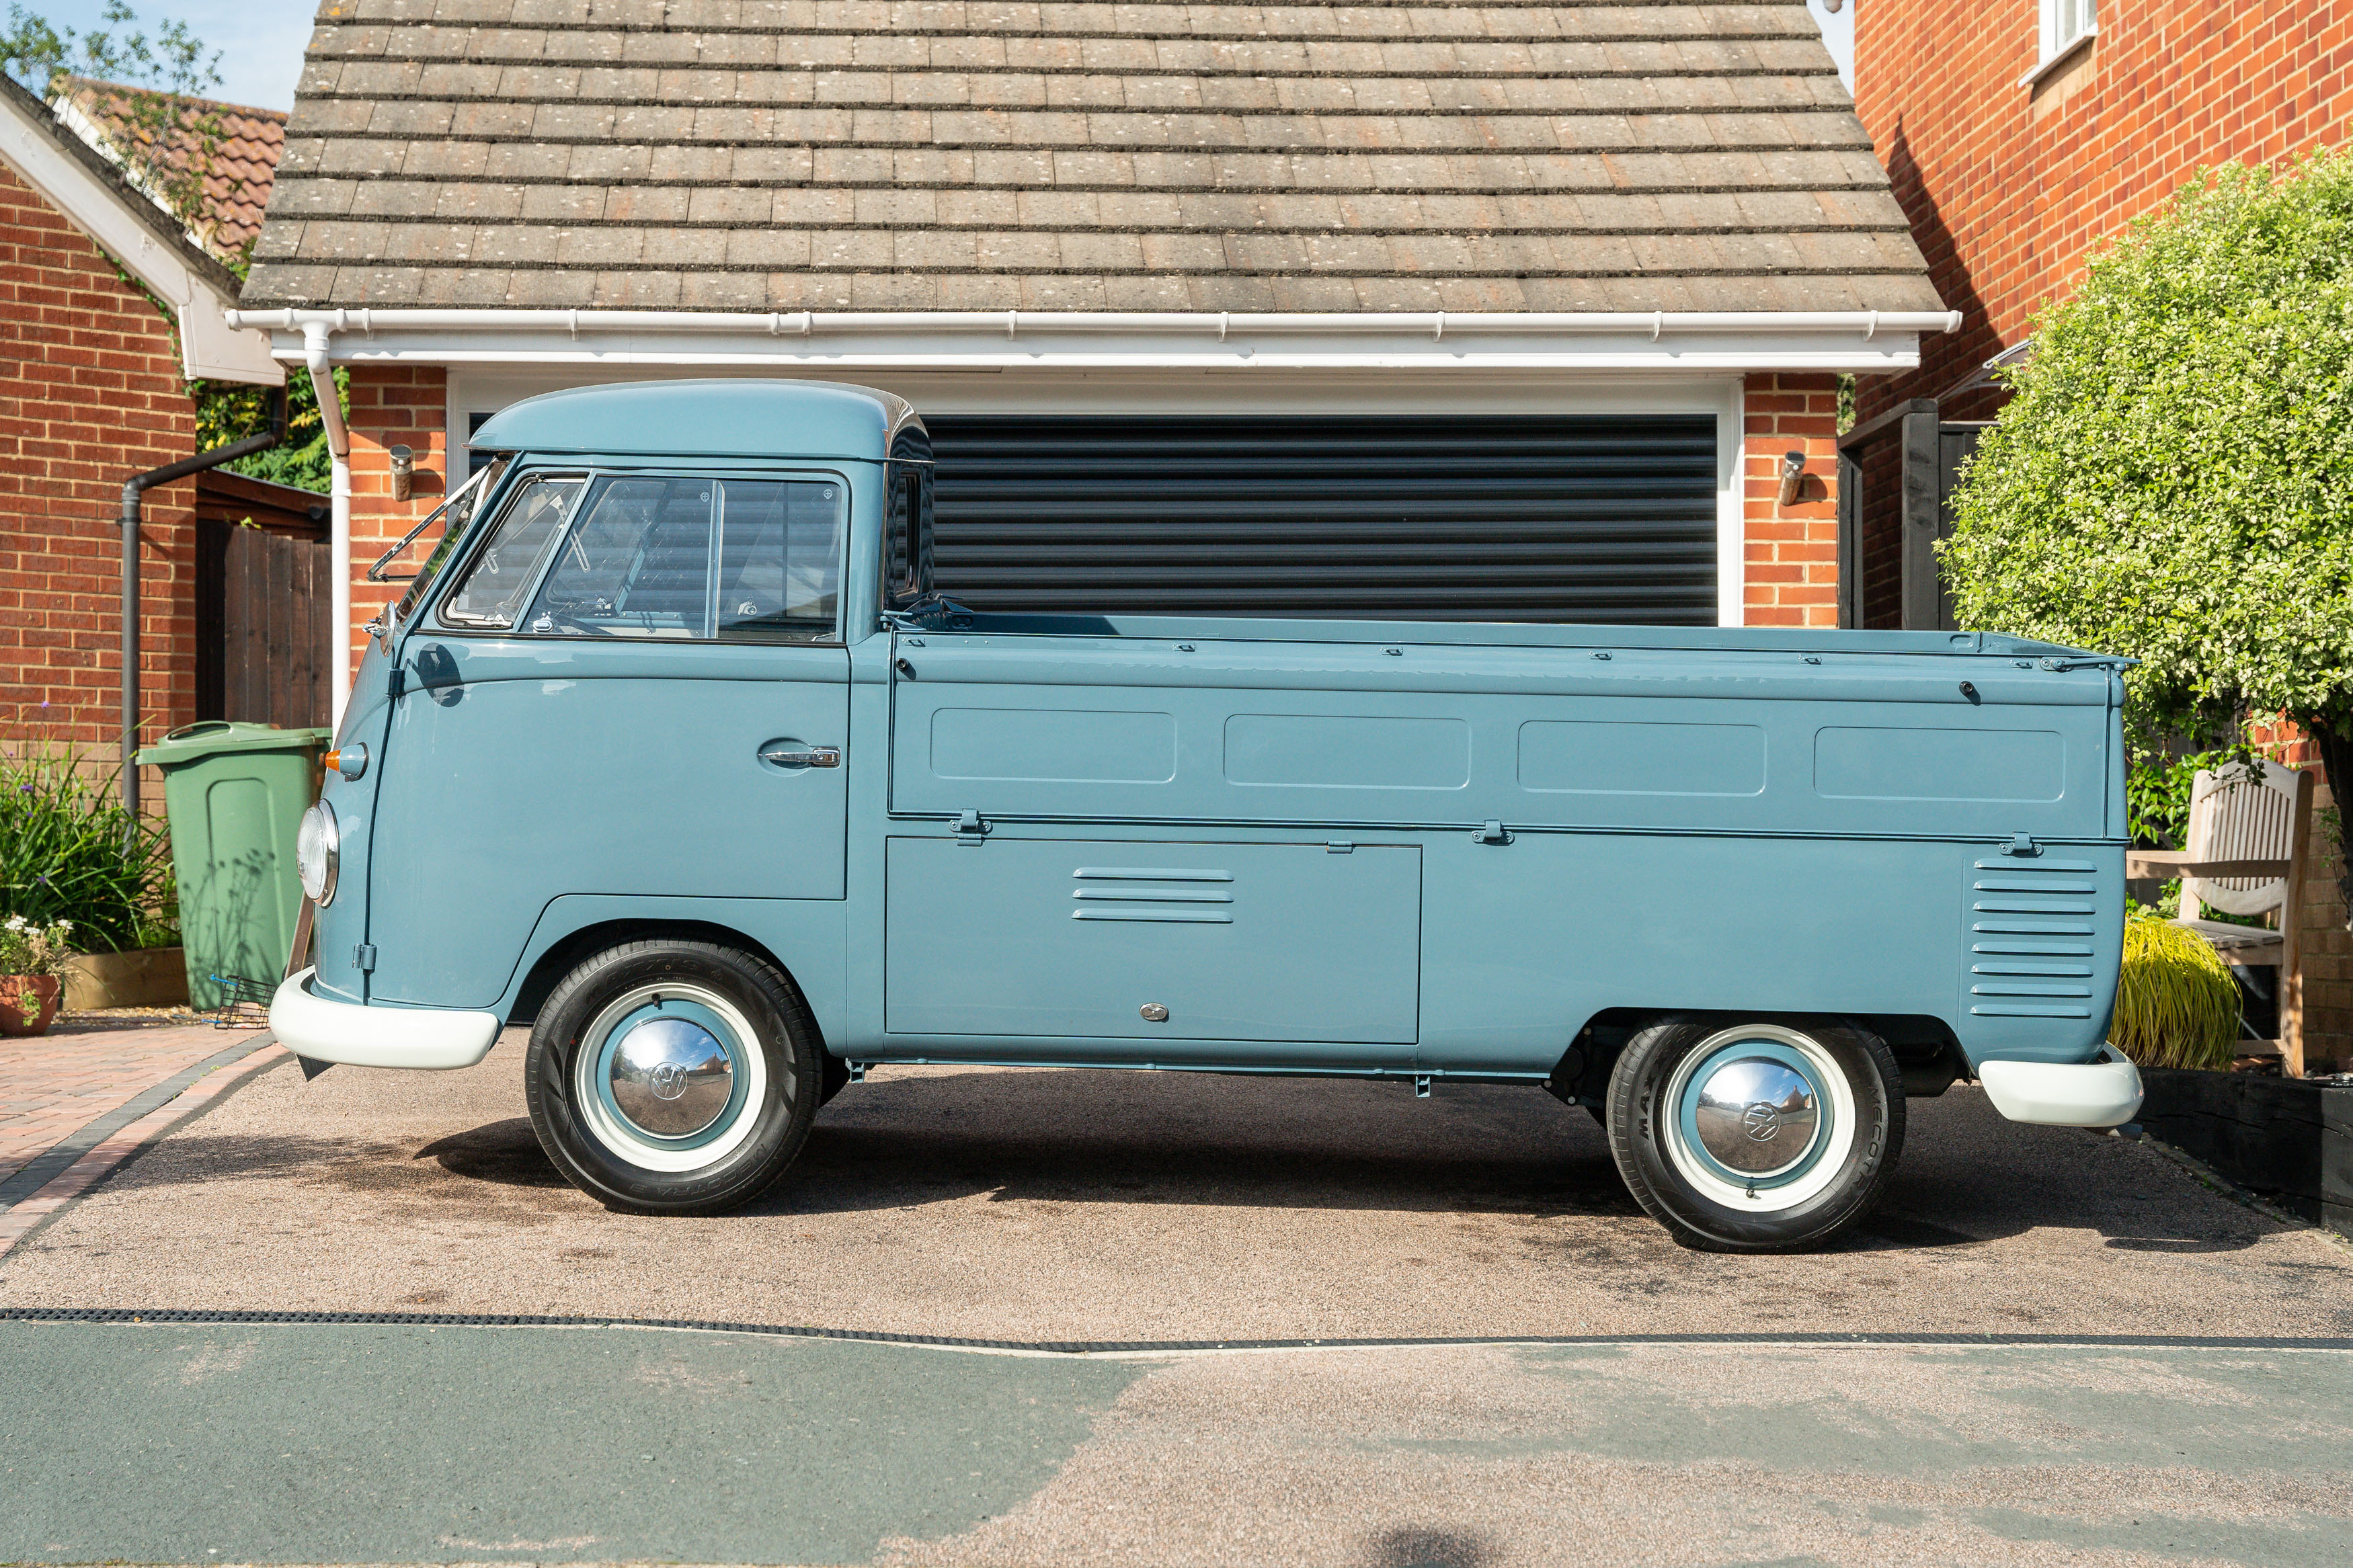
{"points": [[1923, 1045], [566, 952]]}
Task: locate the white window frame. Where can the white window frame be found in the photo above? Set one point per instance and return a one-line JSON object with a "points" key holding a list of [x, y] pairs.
{"points": [[2061, 27]]}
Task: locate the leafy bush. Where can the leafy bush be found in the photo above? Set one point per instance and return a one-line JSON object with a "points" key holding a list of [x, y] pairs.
{"points": [[2157, 796], [2169, 480], [2177, 1006], [230, 411], [69, 852]]}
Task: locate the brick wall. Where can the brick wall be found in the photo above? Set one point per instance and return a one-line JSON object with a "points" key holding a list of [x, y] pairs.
{"points": [[390, 406], [90, 394], [1792, 552], [2008, 187]]}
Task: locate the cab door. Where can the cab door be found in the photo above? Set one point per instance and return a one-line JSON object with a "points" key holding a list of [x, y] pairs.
{"points": [[636, 688]]}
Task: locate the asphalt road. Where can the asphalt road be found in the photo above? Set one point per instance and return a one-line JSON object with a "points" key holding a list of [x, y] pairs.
{"points": [[1030, 1207], [324, 1444]]}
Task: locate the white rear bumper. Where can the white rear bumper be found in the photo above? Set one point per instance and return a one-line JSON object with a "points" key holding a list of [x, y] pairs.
{"points": [[2102, 1093], [433, 1037]]}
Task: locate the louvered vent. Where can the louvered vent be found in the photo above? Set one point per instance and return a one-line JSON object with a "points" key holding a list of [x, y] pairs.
{"points": [[2031, 929], [1180, 896]]}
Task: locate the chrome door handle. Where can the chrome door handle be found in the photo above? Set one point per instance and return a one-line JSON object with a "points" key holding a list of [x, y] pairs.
{"points": [[814, 757]]}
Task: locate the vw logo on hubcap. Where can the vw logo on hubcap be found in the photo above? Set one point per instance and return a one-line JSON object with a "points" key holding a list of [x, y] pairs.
{"points": [[671, 1077], [1754, 1115]]}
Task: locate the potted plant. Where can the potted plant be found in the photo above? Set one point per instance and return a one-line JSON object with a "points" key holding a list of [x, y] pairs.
{"points": [[30, 955], [70, 853]]}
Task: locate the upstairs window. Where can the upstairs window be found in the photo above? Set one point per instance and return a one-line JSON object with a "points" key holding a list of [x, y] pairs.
{"points": [[2065, 24]]}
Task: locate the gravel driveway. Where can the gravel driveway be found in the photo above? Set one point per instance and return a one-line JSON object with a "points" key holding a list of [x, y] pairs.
{"points": [[1075, 1205], [1039, 1206]]}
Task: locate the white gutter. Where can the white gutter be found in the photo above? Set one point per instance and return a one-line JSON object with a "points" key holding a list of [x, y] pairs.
{"points": [[315, 336], [1862, 341], [1435, 324]]}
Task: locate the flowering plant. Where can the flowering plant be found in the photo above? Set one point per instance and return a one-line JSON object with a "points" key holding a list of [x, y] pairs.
{"points": [[27, 947]]}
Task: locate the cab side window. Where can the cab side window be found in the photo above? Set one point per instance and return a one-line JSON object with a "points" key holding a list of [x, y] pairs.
{"points": [[675, 557], [638, 563], [779, 560]]}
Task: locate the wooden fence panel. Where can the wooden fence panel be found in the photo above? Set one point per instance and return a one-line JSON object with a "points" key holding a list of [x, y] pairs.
{"points": [[273, 616]]}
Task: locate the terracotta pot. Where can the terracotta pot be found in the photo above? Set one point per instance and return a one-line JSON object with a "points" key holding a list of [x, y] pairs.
{"points": [[29, 1003]]}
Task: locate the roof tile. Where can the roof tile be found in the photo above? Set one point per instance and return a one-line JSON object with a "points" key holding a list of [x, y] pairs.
{"points": [[1061, 154]]}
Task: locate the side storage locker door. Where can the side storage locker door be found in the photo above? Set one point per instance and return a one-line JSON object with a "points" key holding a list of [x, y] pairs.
{"points": [[1169, 943]]}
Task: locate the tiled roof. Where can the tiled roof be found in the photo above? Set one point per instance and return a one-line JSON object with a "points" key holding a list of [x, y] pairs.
{"points": [[994, 154], [37, 118], [242, 164]]}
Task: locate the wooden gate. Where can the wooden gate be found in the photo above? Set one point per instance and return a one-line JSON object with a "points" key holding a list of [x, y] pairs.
{"points": [[262, 603]]}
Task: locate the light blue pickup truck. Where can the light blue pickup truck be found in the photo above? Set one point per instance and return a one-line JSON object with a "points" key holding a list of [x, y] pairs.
{"points": [[673, 749]]}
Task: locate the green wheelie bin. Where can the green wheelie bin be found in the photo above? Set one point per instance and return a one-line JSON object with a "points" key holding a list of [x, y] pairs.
{"points": [[236, 793]]}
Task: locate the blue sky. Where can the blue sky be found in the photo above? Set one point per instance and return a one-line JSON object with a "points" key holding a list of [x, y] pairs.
{"points": [[262, 41]]}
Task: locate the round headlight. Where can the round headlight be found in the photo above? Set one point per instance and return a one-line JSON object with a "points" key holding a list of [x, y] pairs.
{"points": [[318, 848]]}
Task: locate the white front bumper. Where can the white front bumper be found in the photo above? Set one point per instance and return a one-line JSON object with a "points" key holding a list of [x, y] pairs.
{"points": [[434, 1037], [2102, 1093]]}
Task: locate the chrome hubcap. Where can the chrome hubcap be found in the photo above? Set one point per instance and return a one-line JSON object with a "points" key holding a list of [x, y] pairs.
{"points": [[1756, 1116], [1759, 1117], [671, 1077]]}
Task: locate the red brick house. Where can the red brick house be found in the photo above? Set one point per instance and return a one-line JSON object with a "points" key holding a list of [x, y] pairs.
{"points": [[93, 390], [1133, 223], [2019, 134]]}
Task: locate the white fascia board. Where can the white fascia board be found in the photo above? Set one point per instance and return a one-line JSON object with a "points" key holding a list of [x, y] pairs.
{"points": [[209, 347], [1855, 341], [1888, 354]]}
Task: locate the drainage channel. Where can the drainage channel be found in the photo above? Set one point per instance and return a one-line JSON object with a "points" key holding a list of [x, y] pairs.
{"points": [[185, 1316]]}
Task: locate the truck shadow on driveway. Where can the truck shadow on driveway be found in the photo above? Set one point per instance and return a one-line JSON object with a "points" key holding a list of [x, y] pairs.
{"points": [[1966, 1178]]}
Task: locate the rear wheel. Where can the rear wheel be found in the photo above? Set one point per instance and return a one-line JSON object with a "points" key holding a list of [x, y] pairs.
{"points": [[1757, 1136], [673, 1076]]}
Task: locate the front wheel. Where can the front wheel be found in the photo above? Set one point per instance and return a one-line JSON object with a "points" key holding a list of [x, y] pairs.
{"points": [[1765, 1136], [673, 1076]]}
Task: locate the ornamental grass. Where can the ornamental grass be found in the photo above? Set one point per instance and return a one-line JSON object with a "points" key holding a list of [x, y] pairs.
{"points": [[2177, 1006], [68, 851]]}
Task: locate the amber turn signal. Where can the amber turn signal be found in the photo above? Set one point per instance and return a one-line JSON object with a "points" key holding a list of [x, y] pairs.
{"points": [[334, 759]]}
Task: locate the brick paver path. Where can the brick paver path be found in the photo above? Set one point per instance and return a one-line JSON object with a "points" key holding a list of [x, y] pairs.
{"points": [[51, 1085], [74, 1106]]}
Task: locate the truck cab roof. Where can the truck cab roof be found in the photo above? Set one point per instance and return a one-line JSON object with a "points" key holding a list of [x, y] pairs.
{"points": [[719, 417]]}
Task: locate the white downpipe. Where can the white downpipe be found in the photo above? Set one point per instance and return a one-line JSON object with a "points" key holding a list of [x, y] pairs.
{"points": [[1014, 323], [315, 341]]}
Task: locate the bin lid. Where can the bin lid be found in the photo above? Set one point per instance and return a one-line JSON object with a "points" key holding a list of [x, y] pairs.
{"points": [[194, 742]]}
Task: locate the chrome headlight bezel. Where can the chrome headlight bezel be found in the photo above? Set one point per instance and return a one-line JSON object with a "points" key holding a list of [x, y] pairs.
{"points": [[318, 854]]}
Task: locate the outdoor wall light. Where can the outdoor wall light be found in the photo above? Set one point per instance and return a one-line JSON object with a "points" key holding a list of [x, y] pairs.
{"points": [[1793, 477], [404, 471]]}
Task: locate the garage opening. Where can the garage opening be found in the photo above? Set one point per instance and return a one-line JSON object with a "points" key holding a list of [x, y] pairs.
{"points": [[1556, 519]]}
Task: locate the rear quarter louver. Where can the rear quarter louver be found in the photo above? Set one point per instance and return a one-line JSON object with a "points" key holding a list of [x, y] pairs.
{"points": [[2033, 929]]}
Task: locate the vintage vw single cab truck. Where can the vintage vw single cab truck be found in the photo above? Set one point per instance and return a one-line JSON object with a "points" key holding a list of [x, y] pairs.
{"points": [[672, 749]]}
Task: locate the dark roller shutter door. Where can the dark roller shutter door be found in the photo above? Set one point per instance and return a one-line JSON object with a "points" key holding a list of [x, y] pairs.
{"points": [[1516, 518]]}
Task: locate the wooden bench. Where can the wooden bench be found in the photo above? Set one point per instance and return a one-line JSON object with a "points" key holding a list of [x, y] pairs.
{"points": [[2248, 838]]}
